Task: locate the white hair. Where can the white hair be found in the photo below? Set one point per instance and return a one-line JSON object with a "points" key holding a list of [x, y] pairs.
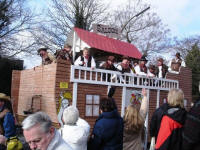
{"points": [[38, 118], [70, 115]]}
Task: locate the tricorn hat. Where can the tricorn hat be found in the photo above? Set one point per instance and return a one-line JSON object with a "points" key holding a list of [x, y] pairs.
{"points": [[178, 54], [42, 49]]}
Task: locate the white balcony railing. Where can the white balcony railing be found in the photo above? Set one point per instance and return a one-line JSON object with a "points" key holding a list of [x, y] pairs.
{"points": [[81, 74]]}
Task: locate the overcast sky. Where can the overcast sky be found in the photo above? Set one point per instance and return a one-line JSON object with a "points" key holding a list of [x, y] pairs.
{"points": [[181, 16]]}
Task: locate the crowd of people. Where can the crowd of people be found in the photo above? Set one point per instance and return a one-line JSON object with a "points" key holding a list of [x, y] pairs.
{"points": [[172, 127], [128, 65]]}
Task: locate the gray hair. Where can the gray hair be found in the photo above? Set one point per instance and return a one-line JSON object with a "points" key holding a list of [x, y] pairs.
{"points": [[70, 115], [38, 118]]}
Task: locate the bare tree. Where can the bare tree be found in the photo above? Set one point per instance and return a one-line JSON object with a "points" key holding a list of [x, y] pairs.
{"points": [[185, 45], [146, 30], [63, 15], [16, 21]]}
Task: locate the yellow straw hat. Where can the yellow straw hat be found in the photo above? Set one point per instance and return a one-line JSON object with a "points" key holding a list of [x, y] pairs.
{"points": [[4, 97]]}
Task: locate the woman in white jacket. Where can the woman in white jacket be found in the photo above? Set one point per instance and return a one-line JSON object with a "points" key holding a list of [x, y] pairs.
{"points": [[75, 131]]}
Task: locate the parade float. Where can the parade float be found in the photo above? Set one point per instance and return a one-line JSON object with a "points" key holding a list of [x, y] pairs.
{"points": [[41, 88]]}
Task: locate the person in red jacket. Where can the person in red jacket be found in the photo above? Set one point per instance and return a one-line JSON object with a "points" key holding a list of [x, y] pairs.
{"points": [[170, 132]]}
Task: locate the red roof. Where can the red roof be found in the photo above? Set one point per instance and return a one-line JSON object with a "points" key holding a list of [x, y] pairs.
{"points": [[108, 44]]}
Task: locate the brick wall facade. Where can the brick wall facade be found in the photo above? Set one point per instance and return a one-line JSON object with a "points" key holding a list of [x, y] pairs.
{"points": [[45, 81]]}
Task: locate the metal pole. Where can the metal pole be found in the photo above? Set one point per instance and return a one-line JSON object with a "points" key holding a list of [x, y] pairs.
{"points": [[123, 101], [134, 17], [147, 122], [75, 87], [74, 46], [158, 99]]}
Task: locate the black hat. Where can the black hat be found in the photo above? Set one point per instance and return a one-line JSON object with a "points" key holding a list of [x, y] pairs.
{"points": [[42, 49], [178, 54], [143, 58]]}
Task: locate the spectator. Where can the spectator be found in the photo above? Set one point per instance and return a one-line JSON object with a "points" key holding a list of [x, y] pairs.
{"points": [[85, 60], [108, 129], [134, 125], [40, 134], [65, 53], [74, 132], [170, 132], [176, 63], [7, 121], [47, 58], [161, 69], [141, 68], [191, 130]]}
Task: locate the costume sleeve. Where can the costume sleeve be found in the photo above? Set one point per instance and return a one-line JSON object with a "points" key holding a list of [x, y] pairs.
{"points": [[78, 61], [9, 125], [51, 57], [119, 67], [138, 71], [143, 107], [183, 63], [93, 63], [101, 65]]}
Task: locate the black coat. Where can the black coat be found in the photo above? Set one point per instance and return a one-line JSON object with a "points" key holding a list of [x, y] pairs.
{"points": [[191, 130], [156, 119], [170, 133], [107, 133]]}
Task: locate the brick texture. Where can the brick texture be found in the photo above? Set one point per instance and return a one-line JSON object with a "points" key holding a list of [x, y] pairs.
{"points": [[45, 81]]}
